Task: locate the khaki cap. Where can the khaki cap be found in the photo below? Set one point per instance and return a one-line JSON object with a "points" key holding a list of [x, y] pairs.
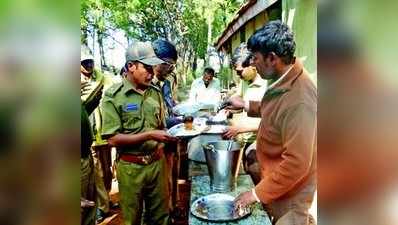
{"points": [[142, 52]]}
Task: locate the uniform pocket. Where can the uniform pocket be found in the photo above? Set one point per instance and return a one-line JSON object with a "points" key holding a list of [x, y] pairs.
{"points": [[132, 120], [151, 110]]}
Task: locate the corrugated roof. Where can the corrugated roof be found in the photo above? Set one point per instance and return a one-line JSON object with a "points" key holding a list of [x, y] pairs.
{"points": [[245, 13]]}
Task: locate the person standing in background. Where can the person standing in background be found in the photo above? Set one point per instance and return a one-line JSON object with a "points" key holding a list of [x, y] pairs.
{"points": [[97, 82], [168, 53], [244, 128], [206, 90]]}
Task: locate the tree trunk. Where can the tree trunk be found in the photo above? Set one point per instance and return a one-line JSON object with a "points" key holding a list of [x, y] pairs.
{"points": [[184, 52], [94, 40], [194, 63], [101, 49], [209, 21], [192, 60], [84, 36], [180, 50]]}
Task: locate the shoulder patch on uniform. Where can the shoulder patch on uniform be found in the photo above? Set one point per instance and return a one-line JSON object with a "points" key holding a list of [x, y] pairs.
{"points": [[131, 107], [111, 91], [155, 87]]}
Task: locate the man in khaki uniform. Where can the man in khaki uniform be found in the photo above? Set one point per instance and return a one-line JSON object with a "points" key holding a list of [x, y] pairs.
{"points": [[97, 81], [87, 183], [133, 122]]}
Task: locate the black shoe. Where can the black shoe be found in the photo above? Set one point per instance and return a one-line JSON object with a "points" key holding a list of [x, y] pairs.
{"points": [[100, 216]]}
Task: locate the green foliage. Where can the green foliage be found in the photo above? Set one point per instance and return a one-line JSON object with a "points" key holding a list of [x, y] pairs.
{"points": [[184, 88], [225, 76], [195, 24], [223, 14], [178, 20], [184, 22], [190, 77]]}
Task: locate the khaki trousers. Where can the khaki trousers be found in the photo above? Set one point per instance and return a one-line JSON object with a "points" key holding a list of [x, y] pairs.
{"points": [[144, 186], [87, 190], [102, 200]]}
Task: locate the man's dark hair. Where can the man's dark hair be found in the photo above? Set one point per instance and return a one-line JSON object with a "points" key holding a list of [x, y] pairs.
{"points": [[164, 49], [87, 62], [274, 37], [241, 55], [209, 70]]}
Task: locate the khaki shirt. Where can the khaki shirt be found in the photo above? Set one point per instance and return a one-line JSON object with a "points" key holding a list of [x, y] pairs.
{"points": [[286, 139], [253, 92], [128, 111], [104, 80]]}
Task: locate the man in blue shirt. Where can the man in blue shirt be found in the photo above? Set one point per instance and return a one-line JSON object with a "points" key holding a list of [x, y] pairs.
{"points": [[163, 72], [163, 76]]}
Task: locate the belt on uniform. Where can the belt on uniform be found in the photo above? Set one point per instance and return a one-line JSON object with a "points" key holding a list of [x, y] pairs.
{"points": [[143, 159]]}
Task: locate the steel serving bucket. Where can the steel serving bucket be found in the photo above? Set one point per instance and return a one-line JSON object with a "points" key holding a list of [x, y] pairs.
{"points": [[222, 162]]}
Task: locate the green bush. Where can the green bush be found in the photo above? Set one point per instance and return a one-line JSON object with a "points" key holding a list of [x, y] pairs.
{"points": [[225, 76]]}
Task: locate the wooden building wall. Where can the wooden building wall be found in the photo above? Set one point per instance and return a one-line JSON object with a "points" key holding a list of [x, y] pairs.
{"points": [[299, 15]]}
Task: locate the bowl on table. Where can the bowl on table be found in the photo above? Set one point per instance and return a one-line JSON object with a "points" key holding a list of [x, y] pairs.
{"points": [[218, 208]]}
